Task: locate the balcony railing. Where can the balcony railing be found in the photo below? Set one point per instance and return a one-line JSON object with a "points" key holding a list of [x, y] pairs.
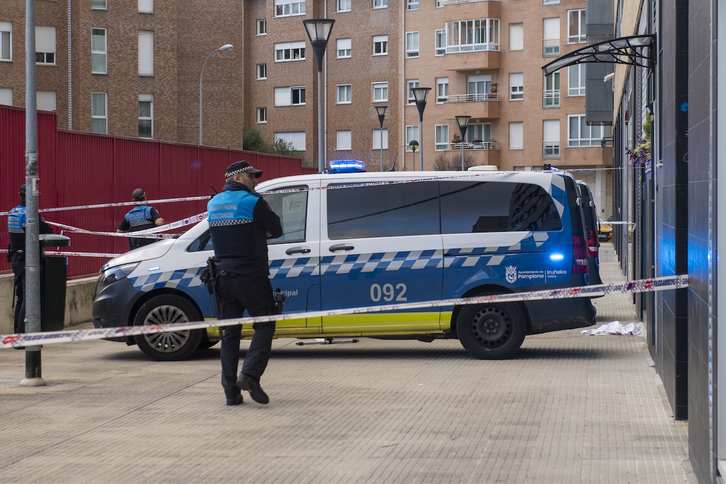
{"points": [[551, 47], [472, 98], [476, 145], [551, 149], [551, 98]]}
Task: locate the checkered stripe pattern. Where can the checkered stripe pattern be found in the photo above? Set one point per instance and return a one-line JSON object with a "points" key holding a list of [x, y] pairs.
{"points": [[223, 223], [171, 279]]}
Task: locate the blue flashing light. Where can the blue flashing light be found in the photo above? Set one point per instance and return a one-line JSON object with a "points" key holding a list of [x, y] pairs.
{"points": [[347, 166], [155, 268], [556, 257]]}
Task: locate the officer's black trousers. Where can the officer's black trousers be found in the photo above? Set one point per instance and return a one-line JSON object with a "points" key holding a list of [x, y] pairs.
{"points": [[235, 294], [19, 281]]}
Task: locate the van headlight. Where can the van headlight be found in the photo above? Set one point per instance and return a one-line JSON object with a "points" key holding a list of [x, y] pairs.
{"points": [[109, 276]]}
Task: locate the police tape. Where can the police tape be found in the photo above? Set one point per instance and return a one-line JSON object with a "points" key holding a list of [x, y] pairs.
{"points": [[74, 254], [141, 234], [66, 336]]}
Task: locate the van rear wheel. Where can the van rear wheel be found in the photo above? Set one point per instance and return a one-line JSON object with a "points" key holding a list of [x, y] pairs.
{"points": [[491, 331], [168, 345]]}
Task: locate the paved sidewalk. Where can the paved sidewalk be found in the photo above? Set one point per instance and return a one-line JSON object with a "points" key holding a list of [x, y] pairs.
{"points": [[568, 409]]}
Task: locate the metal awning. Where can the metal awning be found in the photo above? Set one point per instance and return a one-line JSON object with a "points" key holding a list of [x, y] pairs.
{"points": [[624, 50]]}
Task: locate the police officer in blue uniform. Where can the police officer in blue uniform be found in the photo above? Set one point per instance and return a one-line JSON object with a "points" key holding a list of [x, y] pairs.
{"points": [[16, 256], [141, 217], [240, 222]]}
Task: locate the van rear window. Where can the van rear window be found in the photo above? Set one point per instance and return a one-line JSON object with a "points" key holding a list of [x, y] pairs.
{"points": [[383, 210], [468, 207]]}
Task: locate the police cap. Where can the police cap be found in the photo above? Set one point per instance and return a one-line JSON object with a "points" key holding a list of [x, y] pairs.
{"points": [[241, 167], [138, 195]]}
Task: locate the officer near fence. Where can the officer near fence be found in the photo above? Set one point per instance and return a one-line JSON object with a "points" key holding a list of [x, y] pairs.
{"points": [[16, 256], [141, 217], [240, 222]]}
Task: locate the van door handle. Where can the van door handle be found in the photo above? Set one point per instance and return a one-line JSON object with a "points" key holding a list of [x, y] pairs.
{"points": [[335, 247], [297, 250]]}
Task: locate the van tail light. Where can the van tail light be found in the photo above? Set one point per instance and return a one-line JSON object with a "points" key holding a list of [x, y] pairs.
{"points": [[579, 262], [592, 243]]}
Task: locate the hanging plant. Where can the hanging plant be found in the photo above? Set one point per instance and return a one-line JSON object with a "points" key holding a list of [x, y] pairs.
{"points": [[641, 155]]}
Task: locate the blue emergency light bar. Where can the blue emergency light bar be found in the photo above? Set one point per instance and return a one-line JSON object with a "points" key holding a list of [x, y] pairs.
{"points": [[347, 166]]}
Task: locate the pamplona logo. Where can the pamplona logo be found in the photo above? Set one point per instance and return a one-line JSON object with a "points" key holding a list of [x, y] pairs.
{"points": [[511, 274]]}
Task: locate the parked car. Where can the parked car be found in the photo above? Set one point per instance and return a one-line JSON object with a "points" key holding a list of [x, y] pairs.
{"points": [[362, 239], [604, 230]]}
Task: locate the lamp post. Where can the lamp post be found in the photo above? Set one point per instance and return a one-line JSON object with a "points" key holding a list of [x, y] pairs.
{"points": [[420, 94], [318, 30], [224, 48], [381, 110], [413, 144], [463, 122]]}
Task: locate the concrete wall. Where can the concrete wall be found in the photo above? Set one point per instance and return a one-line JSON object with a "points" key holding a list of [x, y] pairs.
{"points": [[79, 300]]}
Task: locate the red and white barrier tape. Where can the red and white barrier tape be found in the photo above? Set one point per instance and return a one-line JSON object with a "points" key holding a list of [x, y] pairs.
{"points": [[74, 254], [141, 234], [643, 285]]}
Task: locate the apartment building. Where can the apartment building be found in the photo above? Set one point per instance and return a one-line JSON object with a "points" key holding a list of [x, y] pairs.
{"points": [[133, 68]]}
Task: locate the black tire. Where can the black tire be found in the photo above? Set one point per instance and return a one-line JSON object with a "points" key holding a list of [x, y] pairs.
{"points": [[491, 331], [170, 345], [206, 343]]}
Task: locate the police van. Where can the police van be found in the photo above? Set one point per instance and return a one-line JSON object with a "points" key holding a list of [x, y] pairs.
{"points": [[364, 239]]}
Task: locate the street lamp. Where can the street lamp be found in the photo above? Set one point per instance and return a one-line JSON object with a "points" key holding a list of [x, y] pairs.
{"points": [[224, 48], [420, 94], [318, 30], [381, 110], [413, 144], [463, 122]]}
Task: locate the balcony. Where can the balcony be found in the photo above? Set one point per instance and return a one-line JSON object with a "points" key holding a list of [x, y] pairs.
{"points": [[480, 153], [461, 9], [474, 105], [471, 60]]}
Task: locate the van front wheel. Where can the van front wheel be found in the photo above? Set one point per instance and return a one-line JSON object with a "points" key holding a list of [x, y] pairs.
{"points": [[491, 331], [168, 345]]}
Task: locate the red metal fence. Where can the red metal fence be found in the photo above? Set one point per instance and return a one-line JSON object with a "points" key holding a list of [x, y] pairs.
{"points": [[78, 168]]}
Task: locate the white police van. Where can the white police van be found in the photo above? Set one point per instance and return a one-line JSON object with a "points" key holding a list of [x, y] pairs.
{"points": [[364, 239]]}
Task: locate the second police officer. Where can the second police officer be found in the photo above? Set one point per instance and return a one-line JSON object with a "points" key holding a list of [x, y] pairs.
{"points": [[141, 217], [240, 222]]}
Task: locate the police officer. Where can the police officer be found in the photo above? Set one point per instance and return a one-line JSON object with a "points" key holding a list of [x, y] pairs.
{"points": [[240, 222], [141, 217], [16, 256]]}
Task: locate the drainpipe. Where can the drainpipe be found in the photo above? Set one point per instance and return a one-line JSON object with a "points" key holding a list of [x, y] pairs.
{"points": [[402, 108], [70, 79]]}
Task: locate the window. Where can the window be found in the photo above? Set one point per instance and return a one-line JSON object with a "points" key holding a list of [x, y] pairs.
{"points": [[516, 86], [261, 115], [479, 133], [146, 6], [343, 5], [551, 41], [411, 4], [98, 4], [98, 113], [45, 100], [472, 35], [516, 135], [477, 87], [262, 26], [380, 45], [98, 51], [411, 44], [289, 51], [377, 139], [343, 48], [296, 138], [45, 45], [261, 71], [292, 208], [380, 92], [146, 116], [580, 134], [576, 26], [442, 137], [290, 96], [411, 83], [6, 96], [383, 211], [411, 134], [516, 36], [287, 8], [550, 2], [146, 53], [442, 89], [380, 3], [343, 140], [475, 206], [576, 80], [551, 138], [344, 92], [552, 90], [6, 41], [440, 42]]}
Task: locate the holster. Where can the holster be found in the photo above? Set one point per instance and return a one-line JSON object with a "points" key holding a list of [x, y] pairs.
{"points": [[279, 301]]}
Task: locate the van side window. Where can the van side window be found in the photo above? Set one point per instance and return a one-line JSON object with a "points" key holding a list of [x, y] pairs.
{"points": [[395, 210], [292, 208], [203, 242], [468, 207]]}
